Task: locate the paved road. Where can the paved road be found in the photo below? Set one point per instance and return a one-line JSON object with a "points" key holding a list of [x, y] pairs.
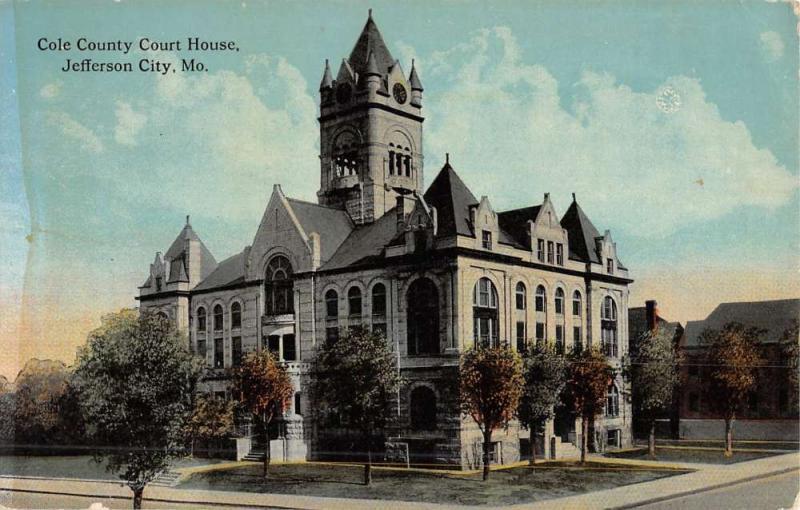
{"points": [[18, 500], [773, 493]]}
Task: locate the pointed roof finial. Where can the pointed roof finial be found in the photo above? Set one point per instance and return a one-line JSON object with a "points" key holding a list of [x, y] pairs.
{"points": [[416, 83], [187, 220], [573, 198], [447, 158], [369, 13], [327, 78]]}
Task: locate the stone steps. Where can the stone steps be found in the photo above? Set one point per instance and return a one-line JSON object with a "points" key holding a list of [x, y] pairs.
{"points": [[167, 479]]}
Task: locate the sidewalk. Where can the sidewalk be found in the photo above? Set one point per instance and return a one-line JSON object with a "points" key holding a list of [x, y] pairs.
{"points": [[706, 478]]}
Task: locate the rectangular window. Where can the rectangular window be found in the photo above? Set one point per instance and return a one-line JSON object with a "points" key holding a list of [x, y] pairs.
{"points": [[559, 305], [219, 353], [289, 348], [237, 350], [577, 338], [540, 250], [297, 399], [576, 308], [201, 347], [559, 339], [610, 266], [612, 438], [560, 254], [540, 333], [331, 335], [274, 345], [487, 240], [521, 344], [549, 252]]}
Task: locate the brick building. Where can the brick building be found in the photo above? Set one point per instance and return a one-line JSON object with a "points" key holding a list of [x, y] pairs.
{"points": [[437, 271]]}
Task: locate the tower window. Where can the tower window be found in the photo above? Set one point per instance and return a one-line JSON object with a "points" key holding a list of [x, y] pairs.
{"points": [[487, 240]]}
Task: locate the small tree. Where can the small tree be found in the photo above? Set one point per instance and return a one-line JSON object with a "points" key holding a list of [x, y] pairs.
{"points": [[265, 390], [653, 372], [211, 420], [39, 388], [588, 378], [491, 386], [356, 378], [545, 373], [135, 381], [732, 359]]}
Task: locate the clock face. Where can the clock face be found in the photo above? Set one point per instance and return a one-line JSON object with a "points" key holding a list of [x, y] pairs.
{"points": [[343, 93], [399, 92]]}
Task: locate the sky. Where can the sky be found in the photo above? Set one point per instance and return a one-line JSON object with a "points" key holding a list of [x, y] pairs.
{"points": [[675, 123]]}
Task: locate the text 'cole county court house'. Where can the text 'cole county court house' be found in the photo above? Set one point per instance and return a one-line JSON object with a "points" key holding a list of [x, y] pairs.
{"points": [[437, 271]]}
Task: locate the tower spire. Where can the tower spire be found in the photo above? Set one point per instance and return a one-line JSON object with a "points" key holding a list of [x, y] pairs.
{"points": [[327, 78]]}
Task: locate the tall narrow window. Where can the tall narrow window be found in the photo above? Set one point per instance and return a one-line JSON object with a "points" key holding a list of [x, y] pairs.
{"points": [[608, 327], [278, 287], [219, 353], [522, 344], [236, 315], [391, 160], [218, 318], [201, 347], [422, 302], [379, 308], [289, 348], [520, 295], [331, 316], [610, 266], [297, 401], [354, 304], [422, 408], [541, 299], [540, 250], [559, 339], [541, 334], [560, 254], [407, 165], [487, 240], [549, 252], [201, 320], [485, 314], [612, 402], [559, 301], [236, 351], [577, 304], [577, 339]]}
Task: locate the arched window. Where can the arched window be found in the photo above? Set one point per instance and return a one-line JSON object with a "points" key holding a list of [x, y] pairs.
{"points": [[422, 409], [236, 315], [379, 308], [608, 327], [577, 304], [218, 318], [612, 402], [520, 296], [201, 320], [484, 313], [559, 301], [278, 285], [541, 299], [423, 317], [354, 303], [331, 316]]}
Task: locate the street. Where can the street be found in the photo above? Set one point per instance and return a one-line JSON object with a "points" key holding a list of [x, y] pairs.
{"points": [[775, 492]]}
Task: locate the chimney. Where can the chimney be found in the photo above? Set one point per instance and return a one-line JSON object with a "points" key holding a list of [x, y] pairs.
{"points": [[404, 206], [652, 314]]}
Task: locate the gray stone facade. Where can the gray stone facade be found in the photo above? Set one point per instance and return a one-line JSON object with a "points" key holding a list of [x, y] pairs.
{"points": [[437, 271]]}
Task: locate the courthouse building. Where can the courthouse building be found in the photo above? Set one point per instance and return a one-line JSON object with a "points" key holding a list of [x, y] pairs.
{"points": [[437, 271]]}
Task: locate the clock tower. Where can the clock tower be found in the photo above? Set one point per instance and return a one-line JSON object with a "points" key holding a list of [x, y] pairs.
{"points": [[370, 130]]}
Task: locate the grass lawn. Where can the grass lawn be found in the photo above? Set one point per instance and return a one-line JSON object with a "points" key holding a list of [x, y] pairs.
{"points": [[77, 466], [505, 487], [685, 454]]}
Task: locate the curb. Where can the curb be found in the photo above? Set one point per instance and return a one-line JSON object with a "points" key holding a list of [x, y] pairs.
{"points": [[704, 489]]}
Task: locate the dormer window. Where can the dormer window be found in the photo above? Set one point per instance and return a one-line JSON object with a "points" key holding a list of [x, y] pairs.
{"points": [[610, 266], [158, 283], [540, 250], [560, 254], [486, 237], [549, 252]]}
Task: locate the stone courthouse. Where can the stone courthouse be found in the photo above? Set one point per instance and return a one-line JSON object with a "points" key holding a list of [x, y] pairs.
{"points": [[436, 270]]}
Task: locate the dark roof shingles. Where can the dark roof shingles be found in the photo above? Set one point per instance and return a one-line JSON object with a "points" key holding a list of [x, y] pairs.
{"points": [[774, 317], [332, 225]]}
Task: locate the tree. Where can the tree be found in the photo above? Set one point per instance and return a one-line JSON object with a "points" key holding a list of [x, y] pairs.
{"points": [[135, 379], [545, 374], [265, 390], [588, 378], [790, 355], [39, 387], [491, 386], [732, 359], [653, 372], [356, 379], [211, 421]]}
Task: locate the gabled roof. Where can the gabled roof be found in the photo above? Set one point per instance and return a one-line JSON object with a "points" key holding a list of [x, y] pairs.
{"points": [[228, 272], [515, 223], [365, 243], [452, 200], [582, 234], [370, 40], [177, 270], [332, 225], [176, 250], [774, 317]]}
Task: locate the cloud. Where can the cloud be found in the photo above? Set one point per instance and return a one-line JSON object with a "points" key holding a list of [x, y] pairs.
{"points": [[129, 123], [51, 90], [623, 151], [772, 45], [73, 129]]}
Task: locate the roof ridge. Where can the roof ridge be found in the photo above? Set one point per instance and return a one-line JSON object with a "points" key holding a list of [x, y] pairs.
{"points": [[290, 199]]}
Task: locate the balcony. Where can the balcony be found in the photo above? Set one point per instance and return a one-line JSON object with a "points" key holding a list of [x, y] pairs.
{"points": [[283, 318]]}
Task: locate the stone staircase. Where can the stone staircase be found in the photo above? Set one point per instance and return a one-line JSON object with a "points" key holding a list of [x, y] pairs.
{"points": [[566, 450], [255, 456], [167, 479]]}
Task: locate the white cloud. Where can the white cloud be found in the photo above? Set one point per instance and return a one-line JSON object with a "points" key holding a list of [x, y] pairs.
{"points": [[622, 151], [71, 128], [51, 90], [129, 123], [772, 45]]}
